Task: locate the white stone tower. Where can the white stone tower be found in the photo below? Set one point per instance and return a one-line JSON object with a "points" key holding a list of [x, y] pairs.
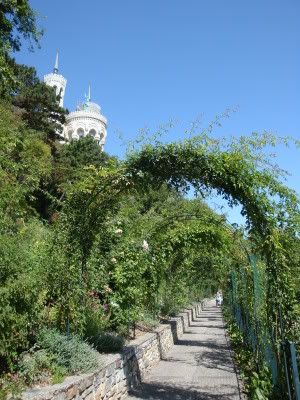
{"points": [[86, 120], [58, 81]]}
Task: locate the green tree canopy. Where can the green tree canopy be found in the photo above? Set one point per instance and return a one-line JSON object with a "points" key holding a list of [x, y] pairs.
{"points": [[17, 22], [24, 161]]}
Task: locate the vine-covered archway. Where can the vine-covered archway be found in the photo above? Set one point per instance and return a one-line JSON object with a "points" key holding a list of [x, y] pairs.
{"points": [[269, 207]]}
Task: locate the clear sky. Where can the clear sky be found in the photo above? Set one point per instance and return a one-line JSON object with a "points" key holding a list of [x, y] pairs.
{"points": [[150, 61]]}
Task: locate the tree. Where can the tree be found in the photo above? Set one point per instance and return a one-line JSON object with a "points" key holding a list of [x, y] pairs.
{"points": [[24, 161], [39, 107], [17, 21], [82, 153], [70, 164], [37, 103], [25, 76]]}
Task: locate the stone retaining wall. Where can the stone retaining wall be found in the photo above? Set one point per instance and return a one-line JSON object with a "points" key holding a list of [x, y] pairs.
{"points": [[120, 371]]}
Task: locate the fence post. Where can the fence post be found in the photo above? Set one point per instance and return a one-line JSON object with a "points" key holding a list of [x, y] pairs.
{"points": [[234, 295], [295, 372], [256, 304]]}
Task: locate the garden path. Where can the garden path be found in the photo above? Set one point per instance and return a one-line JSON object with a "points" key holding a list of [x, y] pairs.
{"points": [[198, 367]]}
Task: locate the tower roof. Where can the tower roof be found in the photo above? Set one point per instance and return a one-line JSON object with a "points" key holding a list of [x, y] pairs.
{"points": [[87, 105]]}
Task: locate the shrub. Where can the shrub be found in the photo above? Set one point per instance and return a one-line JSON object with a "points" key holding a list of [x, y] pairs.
{"points": [[21, 297], [107, 342], [95, 319], [149, 319], [10, 387], [40, 366], [69, 352], [169, 306], [34, 367]]}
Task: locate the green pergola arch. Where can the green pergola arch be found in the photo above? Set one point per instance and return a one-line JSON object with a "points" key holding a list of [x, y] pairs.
{"points": [[266, 203]]}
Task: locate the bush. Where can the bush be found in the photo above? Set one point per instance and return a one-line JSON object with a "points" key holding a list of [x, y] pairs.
{"points": [[34, 367], [10, 387], [21, 294], [69, 352], [107, 342], [169, 306], [150, 320], [40, 366], [95, 320]]}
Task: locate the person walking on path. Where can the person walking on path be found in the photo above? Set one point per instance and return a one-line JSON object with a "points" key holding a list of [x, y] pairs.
{"points": [[219, 299]]}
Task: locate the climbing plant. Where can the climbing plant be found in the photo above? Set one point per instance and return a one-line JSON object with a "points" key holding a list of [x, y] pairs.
{"points": [[240, 177]]}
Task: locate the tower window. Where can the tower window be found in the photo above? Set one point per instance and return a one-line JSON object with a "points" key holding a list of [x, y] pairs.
{"points": [[80, 132], [92, 132]]}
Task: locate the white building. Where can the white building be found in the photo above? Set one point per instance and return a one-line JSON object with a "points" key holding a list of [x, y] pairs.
{"points": [[86, 120]]}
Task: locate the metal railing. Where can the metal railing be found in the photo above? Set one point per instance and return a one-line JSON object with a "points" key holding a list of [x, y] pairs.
{"points": [[246, 298]]}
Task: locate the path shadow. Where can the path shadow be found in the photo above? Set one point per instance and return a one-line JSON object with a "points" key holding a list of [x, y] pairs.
{"points": [[217, 356], [209, 318], [211, 344], [216, 359], [155, 391], [205, 326]]}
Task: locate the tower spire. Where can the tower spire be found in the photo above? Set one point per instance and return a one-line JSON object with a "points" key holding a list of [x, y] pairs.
{"points": [[56, 80], [89, 93], [56, 64]]}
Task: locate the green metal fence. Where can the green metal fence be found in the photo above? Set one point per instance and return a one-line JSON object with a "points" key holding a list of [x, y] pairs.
{"points": [[247, 303]]}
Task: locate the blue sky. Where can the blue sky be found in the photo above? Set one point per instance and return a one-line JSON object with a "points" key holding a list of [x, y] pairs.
{"points": [[150, 61]]}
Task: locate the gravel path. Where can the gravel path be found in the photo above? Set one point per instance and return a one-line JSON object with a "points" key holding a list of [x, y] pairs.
{"points": [[198, 367]]}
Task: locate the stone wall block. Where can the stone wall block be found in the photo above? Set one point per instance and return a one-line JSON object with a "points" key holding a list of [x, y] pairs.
{"points": [[90, 396], [185, 320], [119, 363], [99, 392], [86, 382], [110, 370], [87, 392], [60, 396], [190, 317], [72, 392], [194, 313]]}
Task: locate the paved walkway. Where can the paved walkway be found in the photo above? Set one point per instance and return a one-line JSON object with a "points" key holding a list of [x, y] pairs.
{"points": [[198, 367]]}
